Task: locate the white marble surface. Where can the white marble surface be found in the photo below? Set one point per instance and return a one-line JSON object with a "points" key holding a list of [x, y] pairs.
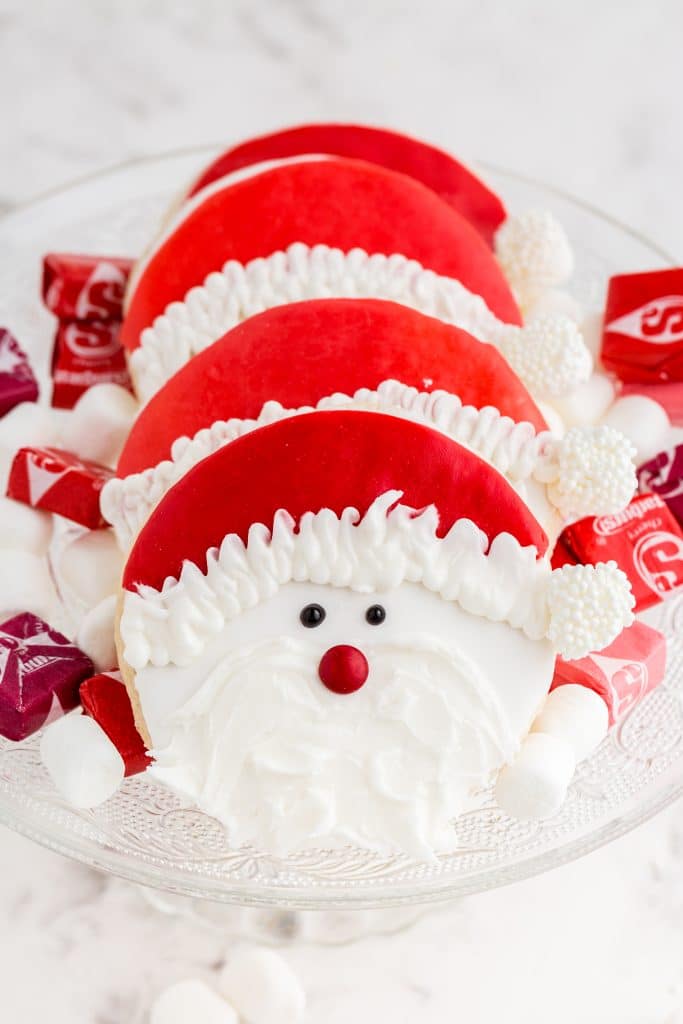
{"points": [[584, 95]]}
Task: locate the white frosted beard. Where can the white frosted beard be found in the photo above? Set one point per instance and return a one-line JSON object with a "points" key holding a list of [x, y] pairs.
{"points": [[287, 765]]}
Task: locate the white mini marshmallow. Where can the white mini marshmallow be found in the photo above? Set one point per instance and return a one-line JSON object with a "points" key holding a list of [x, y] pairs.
{"points": [[552, 417], [25, 584], [588, 403], [535, 785], [643, 421], [263, 988], [577, 715], [27, 425], [91, 567], [24, 528], [100, 423], [81, 760], [96, 635], [191, 1002]]}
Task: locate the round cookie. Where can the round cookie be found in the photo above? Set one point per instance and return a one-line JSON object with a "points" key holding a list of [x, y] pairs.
{"points": [[299, 353], [342, 203], [436, 169]]}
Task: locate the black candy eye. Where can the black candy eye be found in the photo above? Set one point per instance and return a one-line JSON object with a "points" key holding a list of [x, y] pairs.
{"points": [[375, 615], [312, 615]]}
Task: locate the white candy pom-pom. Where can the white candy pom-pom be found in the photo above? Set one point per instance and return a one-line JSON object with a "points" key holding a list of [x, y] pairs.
{"points": [[81, 760], [548, 354], [643, 421], [100, 423], [595, 473], [555, 301], [96, 635], [575, 714], [535, 785], [191, 1002], [263, 988], [534, 252], [588, 605]]}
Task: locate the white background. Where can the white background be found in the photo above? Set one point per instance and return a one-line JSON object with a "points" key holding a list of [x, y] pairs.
{"points": [[586, 95]]}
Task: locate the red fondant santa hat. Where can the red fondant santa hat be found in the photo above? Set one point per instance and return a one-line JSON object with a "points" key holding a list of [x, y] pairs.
{"points": [[359, 500], [374, 355], [328, 226], [436, 169]]}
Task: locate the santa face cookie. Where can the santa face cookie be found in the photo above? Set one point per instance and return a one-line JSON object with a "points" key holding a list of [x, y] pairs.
{"points": [[373, 355], [345, 620]]}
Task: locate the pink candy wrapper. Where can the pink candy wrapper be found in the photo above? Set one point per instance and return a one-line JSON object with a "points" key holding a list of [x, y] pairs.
{"points": [[40, 674], [663, 475], [17, 382], [633, 665]]}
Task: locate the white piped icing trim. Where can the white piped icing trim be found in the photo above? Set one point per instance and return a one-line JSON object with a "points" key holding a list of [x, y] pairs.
{"points": [[534, 253], [555, 358], [590, 470], [389, 545]]}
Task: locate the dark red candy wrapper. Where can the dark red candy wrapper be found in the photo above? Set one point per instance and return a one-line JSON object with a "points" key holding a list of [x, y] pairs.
{"points": [[633, 665], [85, 287], [644, 540], [663, 475], [17, 382], [642, 338], [86, 354], [104, 698], [40, 675], [59, 482]]}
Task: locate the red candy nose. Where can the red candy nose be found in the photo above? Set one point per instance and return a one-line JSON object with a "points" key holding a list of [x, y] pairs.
{"points": [[343, 669]]}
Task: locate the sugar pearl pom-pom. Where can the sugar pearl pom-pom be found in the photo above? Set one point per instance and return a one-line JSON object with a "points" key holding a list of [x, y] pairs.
{"points": [[643, 421], [81, 760], [534, 252], [263, 988], [100, 423], [555, 301], [588, 605], [548, 354], [96, 634], [24, 528], [191, 1002], [595, 473], [577, 715], [25, 584], [535, 785], [588, 403]]}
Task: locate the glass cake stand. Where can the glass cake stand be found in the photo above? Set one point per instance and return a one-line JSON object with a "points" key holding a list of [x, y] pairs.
{"points": [[145, 834]]}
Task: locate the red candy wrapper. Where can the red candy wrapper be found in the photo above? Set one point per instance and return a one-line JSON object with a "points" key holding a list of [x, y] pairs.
{"points": [[633, 665], [104, 698], [17, 383], [85, 354], [642, 338], [40, 675], [663, 475], [644, 540], [562, 555], [59, 482], [85, 287]]}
